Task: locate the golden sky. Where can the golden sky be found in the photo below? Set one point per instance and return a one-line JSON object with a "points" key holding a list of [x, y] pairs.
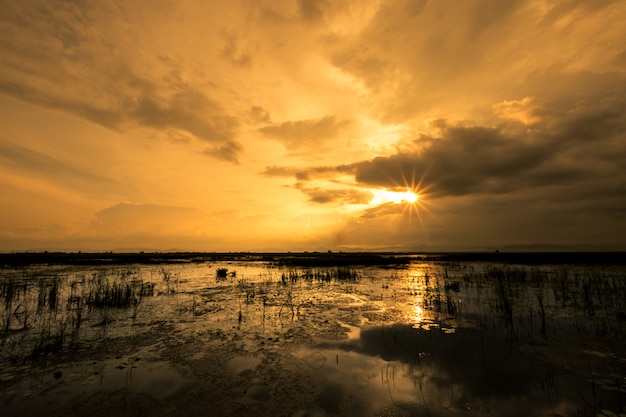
{"points": [[288, 124]]}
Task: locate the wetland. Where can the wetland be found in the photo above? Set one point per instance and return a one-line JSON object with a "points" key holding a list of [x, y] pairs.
{"points": [[312, 334]]}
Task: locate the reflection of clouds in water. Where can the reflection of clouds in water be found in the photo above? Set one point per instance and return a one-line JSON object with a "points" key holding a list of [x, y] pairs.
{"points": [[362, 383], [469, 371]]}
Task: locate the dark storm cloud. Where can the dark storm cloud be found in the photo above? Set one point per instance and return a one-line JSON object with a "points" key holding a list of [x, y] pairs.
{"points": [[463, 160], [477, 160], [305, 133], [570, 138]]}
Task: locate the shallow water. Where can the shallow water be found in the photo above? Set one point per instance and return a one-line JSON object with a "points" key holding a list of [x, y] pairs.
{"points": [[424, 339]]}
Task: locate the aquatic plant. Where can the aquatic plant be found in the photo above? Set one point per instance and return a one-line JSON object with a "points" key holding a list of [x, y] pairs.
{"points": [[43, 313], [347, 274], [106, 294], [293, 275], [50, 339], [167, 278]]}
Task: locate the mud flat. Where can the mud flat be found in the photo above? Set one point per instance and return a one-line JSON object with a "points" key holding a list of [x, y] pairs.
{"points": [[311, 334]]}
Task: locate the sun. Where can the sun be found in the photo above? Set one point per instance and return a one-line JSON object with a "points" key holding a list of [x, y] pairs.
{"points": [[409, 193], [396, 197], [412, 201], [410, 196]]}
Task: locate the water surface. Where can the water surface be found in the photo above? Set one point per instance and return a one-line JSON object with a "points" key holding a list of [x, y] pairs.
{"points": [[255, 337]]}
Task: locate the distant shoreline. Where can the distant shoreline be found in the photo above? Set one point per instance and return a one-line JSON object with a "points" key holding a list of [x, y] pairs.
{"points": [[311, 259]]}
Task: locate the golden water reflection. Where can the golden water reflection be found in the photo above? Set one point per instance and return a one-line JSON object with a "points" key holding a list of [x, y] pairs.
{"points": [[419, 314]]}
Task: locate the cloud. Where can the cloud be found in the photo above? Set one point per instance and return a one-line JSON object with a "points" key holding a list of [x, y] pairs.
{"points": [[337, 196], [34, 163], [227, 152], [486, 222], [259, 115], [301, 12], [385, 227], [132, 218], [450, 58], [334, 192], [236, 51], [522, 110], [305, 174], [311, 10], [554, 140], [463, 160], [305, 134], [68, 56], [186, 109], [499, 104]]}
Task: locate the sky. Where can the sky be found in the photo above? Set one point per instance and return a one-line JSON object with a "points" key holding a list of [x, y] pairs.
{"points": [[294, 125]]}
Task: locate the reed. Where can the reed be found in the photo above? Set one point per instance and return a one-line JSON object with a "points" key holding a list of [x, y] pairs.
{"points": [[293, 275], [43, 314]]}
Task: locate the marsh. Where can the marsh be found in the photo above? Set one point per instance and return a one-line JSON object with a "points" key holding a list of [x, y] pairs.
{"points": [[316, 335]]}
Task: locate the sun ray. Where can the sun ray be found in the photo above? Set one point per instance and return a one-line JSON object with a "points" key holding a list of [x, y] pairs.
{"points": [[410, 189]]}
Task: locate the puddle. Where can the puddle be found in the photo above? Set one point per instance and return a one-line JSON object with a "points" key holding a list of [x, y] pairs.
{"points": [[242, 363], [156, 379], [360, 383], [354, 332], [435, 372], [52, 391], [260, 393]]}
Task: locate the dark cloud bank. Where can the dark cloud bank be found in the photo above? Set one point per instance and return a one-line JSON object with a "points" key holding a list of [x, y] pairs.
{"points": [[555, 179], [577, 148]]}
